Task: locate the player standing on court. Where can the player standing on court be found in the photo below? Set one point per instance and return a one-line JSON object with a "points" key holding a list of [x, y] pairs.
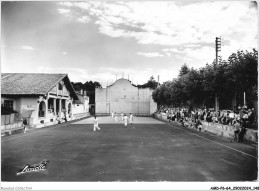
{"points": [[115, 116], [96, 127], [131, 119], [125, 120], [122, 116], [112, 114]]}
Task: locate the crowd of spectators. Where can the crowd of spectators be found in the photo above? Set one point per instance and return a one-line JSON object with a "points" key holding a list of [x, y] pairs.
{"points": [[244, 117]]}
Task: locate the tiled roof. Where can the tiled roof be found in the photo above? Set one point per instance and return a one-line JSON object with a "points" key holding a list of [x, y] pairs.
{"points": [[28, 83]]}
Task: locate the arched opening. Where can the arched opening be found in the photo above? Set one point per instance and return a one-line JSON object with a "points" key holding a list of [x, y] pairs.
{"points": [[42, 109]]}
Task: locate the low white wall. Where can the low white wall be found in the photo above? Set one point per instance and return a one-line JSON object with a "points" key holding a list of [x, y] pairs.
{"points": [[218, 129]]}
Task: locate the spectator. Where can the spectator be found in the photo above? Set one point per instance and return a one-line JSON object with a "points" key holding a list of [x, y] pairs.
{"points": [[214, 117], [169, 117], [196, 116], [208, 116], [225, 117], [178, 115], [58, 119], [231, 117], [236, 118], [198, 125], [173, 117], [236, 132], [244, 118], [221, 117], [241, 113], [65, 117], [204, 113], [242, 133], [24, 125], [251, 116], [254, 114]]}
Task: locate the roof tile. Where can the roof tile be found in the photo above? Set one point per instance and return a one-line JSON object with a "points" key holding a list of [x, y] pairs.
{"points": [[28, 83]]}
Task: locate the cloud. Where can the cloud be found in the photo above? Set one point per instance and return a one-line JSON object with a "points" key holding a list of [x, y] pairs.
{"points": [[63, 11], [27, 47], [83, 5], [64, 53], [168, 23], [83, 19], [175, 50], [200, 55], [186, 31], [192, 45], [67, 4], [152, 54]]}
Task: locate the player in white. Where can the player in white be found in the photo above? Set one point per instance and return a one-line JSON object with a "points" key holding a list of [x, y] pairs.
{"points": [[112, 114], [125, 120], [131, 119], [96, 127], [115, 116], [122, 116]]}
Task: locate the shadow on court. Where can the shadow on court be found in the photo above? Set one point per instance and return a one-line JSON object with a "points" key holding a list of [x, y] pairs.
{"points": [[147, 152]]}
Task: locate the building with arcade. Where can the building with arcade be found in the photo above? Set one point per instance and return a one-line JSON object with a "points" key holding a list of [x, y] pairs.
{"points": [[40, 98]]}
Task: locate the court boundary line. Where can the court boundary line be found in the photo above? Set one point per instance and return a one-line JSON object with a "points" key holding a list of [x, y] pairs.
{"points": [[216, 142]]}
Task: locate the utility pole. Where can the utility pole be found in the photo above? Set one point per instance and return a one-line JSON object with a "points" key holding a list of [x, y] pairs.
{"points": [[158, 81], [218, 47]]}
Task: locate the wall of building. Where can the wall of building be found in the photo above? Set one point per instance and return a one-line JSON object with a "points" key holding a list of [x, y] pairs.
{"points": [[59, 99], [16, 102], [26, 106], [122, 96], [29, 108]]}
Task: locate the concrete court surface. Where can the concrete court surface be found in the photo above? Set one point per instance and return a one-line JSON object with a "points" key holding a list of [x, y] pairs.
{"points": [[149, 152]]}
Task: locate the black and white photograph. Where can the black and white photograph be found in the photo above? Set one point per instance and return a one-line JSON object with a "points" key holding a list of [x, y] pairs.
{"points": [[129, 95]]}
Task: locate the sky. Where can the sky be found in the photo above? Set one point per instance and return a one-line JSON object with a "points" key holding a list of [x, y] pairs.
{"points": [[107, 40]]}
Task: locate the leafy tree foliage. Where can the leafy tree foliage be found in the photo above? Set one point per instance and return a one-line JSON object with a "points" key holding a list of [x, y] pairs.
{"points": [[226, 80], [184, 70], [151, 83], [89, 87]]}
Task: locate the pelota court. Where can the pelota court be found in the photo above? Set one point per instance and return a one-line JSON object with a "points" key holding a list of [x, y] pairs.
{"points": [[151, 151]]}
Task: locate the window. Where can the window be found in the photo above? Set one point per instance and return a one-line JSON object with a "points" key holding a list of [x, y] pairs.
{"points": [[42, 109], [9, 104], [60, 86]]}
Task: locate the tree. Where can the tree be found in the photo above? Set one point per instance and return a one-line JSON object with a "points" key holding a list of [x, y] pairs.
{"points": [[77, 86], [242, 75], [151, 83], [90, 88], [225, 80], [184, 70]]}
